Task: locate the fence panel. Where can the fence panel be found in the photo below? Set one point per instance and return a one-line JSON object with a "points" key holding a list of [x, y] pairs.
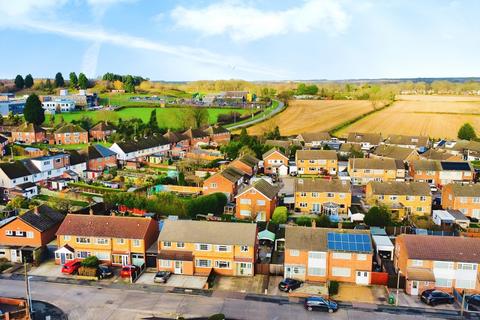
{"points": [[380, 278]]}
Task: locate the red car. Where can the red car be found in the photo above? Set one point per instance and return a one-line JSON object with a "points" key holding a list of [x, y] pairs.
{"points": [[129, 271], [71, 267]]}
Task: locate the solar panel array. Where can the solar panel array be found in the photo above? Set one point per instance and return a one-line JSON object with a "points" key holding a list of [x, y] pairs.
{"points": [[349, 242]]}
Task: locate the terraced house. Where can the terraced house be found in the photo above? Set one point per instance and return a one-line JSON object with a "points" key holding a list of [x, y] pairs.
{"points": [[332, 197], [364, 170], [441, 172], [140, 149], [465, 198], [437, 262], [314, 139], [316, 162], [29, 133], [257, 201], [197, 247], [112, 239], [412, 142], [401, 198], [70, 134], [323, 254], [395, 152]]}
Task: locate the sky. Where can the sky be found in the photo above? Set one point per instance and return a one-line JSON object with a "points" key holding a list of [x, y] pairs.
{"points": [[188, 40]]}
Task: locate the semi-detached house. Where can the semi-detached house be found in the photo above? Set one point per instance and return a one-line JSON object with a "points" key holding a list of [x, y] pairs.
{"points": [[465, 198], [364, 170], [441, 173], [316, 162], [198, 247]]}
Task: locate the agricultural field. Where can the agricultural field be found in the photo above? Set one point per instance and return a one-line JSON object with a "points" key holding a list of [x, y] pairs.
{"points": [[313, 115], [167, 117], [433, 116]]}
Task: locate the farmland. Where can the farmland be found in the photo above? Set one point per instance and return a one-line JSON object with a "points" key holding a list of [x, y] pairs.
{"points": [[313, 115], [434, 116]]}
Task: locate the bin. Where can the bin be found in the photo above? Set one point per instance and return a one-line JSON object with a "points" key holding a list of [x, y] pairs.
{"points": [[391, 299]]}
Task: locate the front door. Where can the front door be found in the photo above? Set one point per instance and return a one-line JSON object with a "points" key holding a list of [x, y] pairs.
{"points": [[13, 255], [62, 258], [316, 207], [178, 267], [362, 277], [414, 288], [124, 260]]}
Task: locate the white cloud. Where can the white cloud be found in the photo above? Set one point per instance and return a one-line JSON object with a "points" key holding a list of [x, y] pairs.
{"points": [[245, 23], [90, 59]]}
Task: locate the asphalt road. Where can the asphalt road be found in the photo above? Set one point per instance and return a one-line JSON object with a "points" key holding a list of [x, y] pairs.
{"points": [[258, 120], [85, 302]]}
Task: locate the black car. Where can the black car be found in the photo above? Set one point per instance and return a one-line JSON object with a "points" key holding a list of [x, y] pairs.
{"points": [[434, 297], [473, 302], [162, 276], [320, 304], [288, 285], [104, 272]]}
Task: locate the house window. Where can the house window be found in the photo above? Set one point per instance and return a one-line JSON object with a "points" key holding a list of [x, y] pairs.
{"points": [[341, 272], [213, 185], [417, 263], [165, 263], [102, 255], [303, 204], [445, 283], [361, 257], [465, 284], [220, 264], [29, 234], [120, 241], [223, 248], [423, 198], [82, 254], [83, 240], [443, 265], [380, 197], [342, 255], [294, 253], [102, 241], [245, 213], [393, 198], [330, 195], [203, 247], [66, 238], [167, 244], [180, 244], [203, 263], [303, 194], [341, 195], [466, 266], [419, 209], [261, 202], [245, 201], [9, 232], [476, 199], [409, 198], [244, 248], [136, 242], [463, 199], [315, 194]]}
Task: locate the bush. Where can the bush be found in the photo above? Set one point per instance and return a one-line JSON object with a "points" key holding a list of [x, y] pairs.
{"points": [[4, 266], [378, 217], [304, 221], [87, 271], [333, 288], [323, 221], [280, 215], [90, 262]]}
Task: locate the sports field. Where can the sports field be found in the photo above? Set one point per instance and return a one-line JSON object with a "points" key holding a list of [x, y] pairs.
{"points": [[433, 116], [313, 115]]}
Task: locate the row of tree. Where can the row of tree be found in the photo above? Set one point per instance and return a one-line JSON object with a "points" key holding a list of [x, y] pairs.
{"points": [[59, 82]]}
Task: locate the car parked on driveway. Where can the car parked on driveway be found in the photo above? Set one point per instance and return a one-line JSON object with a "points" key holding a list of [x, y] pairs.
{"points": [[162, 276], [71, 267], [130, 271], [104, 271], [473, 302], [320, 304], [288, 285], [433, 297]]}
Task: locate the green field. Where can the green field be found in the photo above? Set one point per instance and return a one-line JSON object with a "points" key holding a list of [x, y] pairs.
{"points": [[166, 117]]}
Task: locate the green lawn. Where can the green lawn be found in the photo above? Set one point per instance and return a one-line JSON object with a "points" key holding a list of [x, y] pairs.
{"points": [[46, 198], [166, 117]]}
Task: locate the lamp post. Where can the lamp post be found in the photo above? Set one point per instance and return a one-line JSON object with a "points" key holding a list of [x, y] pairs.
{"points": [[398, 286], [30, 304]]}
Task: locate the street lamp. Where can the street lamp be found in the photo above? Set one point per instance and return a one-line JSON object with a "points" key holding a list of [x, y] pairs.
{"points": [[398, 286], [29, 294]]}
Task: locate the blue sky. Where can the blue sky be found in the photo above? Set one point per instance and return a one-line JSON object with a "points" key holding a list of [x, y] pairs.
{"points": [[252, 40]]}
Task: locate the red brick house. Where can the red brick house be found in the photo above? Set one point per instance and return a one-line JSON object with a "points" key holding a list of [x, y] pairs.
{"points": [[257, 201], [218, 135], [29, 133], [196, 137], [70, 134], [274, 162], [247, 164], [226, 181], [101, 131], [178, 142], [99, 158]]}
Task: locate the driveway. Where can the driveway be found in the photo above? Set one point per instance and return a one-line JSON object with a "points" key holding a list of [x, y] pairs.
{"points": [[47, 269], [255, 284], [365, 294], [176, 280], [273, 282], [406, 300]]}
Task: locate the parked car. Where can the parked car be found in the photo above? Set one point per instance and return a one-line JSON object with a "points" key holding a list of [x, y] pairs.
{"points": [[473, 302], [162, 276], [433, 297], [104, 271], [320, 304], [129, 271], [71, 267], [288, 285]]}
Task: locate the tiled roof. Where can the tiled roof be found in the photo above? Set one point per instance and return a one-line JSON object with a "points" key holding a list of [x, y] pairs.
{"points": [[321, 185], [263, 187], [279, 143], [69, 128], [29, 127], [309, 137], [195, 133], [394, 152], [77, 157], [15, 169], [442, 248], [426, 165], [419, 141], [272, 151], [372, 138], [232, 174], [45, 219], [102, 126], [249, 160], [105, 226], [371, 163], [466, 190], [215, 130], [142, 143], [401, 188], [97, 151], [436, 154], [316, 155], [174, 137], [348, 147], [211, 232]]}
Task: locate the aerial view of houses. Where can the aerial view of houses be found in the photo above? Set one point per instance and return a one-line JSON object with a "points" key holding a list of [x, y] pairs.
{"points": [[141, 177]]}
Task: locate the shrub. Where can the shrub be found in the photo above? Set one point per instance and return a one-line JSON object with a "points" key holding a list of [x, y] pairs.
{"points": [[90, 262], [323, 221], [304, 221], [333, 288], [378, 217], [87, 271], [280, 215]]}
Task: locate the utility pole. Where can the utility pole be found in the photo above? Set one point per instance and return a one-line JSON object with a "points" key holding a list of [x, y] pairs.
{"points": [[27, 291], [398, 286]]}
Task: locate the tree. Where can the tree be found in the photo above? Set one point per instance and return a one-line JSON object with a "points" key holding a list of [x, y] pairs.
{"points": [[59, 81], [378, 217], [33, 111], [118, 85], [129, 84], [467, 132], [196, 117], [19, 82], [82, 81], [28, 81], [48, 86], [52, 120], [280, 215], [73, 80], [153, 123]]}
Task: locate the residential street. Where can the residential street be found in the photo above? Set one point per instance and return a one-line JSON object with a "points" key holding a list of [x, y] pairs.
{"points": [[84, 302]]}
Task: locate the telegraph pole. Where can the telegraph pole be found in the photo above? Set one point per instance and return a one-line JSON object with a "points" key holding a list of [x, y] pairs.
{"points": [[27, 291]]}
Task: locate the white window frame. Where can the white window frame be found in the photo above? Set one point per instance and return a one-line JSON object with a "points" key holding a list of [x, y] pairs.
{"points": [[198, 247], [219, 263], [294, 252]]}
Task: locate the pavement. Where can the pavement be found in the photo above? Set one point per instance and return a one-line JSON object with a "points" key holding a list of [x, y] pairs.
{"points": [[176, 280], [99, 303]]}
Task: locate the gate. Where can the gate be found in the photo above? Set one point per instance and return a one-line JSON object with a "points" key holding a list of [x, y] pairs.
{"points": [[380, 278], [393, 281], [262, 268]]}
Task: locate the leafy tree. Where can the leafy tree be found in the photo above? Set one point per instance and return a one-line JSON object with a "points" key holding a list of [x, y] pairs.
{"points": [[280, 215], [90, 262], [33, 111], [19, 82], [82, 81], [323, 221], [467, 132], [73, 80], [48, 86], [84, 122], [196, 117], [28, 81], [153, 123], [129, 84], [274, 134], [378, 217], [52, 120], [59, 81], [302, 89]]}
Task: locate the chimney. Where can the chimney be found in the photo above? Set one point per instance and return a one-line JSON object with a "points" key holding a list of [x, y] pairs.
{"points": [[314, 223], [36, 211]]}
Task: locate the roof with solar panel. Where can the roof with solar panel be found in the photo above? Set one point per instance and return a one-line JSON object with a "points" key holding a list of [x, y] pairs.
{"points": [[349, 242]]}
